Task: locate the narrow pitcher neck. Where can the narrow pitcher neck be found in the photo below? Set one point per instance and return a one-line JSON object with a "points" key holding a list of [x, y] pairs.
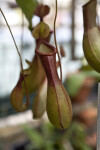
{"points": [[89, 15], [49, 64], [47, 54]]}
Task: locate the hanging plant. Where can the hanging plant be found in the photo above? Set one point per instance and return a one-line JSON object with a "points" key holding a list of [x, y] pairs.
{"points": [[91, 37], [34, 80], [56, 100], [39, 101], [58, 105], [17, 92]]}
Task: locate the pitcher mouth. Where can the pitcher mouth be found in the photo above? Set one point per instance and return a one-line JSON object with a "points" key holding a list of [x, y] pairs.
{"points": [[44, 48], [87, 3]]}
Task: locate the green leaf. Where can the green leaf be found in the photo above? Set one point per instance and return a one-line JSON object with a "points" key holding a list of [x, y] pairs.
{"points": [[28, 7]]}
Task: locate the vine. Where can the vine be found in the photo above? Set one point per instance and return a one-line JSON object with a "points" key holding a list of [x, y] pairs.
{"points": [[56, 41], [21, 64]]}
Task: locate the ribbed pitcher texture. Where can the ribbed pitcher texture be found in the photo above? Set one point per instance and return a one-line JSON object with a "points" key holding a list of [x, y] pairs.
{"points": [[16, 96], [58, 105], [91, 37]]}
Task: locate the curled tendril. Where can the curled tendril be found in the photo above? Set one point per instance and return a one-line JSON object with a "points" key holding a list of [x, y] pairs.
{"points": [[27, 95], [56, 42]]}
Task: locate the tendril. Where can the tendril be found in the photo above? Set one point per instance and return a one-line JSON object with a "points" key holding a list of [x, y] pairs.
{"points": [[21, 64], [56, 42]]}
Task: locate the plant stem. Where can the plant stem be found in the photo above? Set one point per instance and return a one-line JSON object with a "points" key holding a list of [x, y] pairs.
{"points": [[22, 33], [21, 64], [56, 42], [98, 119]]}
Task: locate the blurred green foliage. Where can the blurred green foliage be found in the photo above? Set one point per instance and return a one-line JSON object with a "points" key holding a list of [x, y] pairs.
{"points": [[46, 137], [75, 81], [77, 136]]}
